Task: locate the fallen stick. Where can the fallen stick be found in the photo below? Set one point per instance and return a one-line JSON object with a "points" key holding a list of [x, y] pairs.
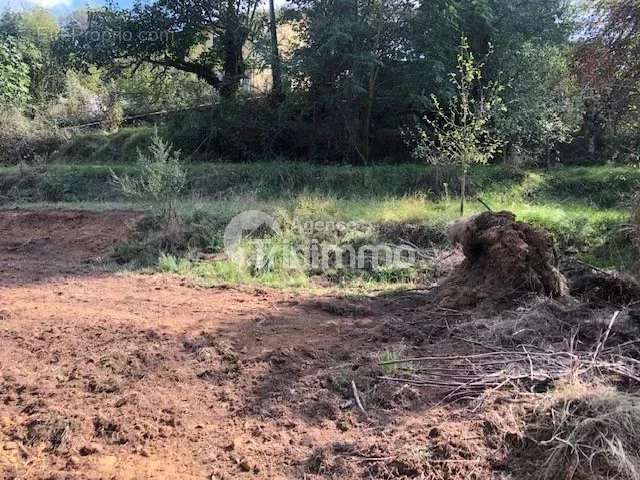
{"points": [[476, 355], [356, 396], [604, 339]]}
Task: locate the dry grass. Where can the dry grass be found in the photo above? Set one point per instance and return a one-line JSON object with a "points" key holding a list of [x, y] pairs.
{"points": [[587, 431]]}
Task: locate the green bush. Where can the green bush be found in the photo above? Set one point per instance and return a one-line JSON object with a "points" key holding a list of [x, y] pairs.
{"points": [[103, 148], [23, 139], [160, 178]]}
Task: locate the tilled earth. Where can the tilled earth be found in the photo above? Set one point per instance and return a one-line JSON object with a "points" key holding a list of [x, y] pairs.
{"points": [[131, 376]]}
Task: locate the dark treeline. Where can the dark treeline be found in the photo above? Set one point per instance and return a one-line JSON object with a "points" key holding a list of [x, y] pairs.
{"points": [[356, 81]]}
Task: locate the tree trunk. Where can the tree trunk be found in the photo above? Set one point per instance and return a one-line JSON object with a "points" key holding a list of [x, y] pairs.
{"points": [[463, 190], [233, 69], [365, 138], [593, 129], [365, 133], [277, 89], [233, 57]]}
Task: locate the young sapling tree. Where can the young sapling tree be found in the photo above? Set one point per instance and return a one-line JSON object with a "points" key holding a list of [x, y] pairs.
{"points": [[461, 134]]}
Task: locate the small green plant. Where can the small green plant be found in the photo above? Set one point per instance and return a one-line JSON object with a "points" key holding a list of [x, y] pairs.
{"points": [[389, 356], [461, 134], [160, 178], [172, 264]]}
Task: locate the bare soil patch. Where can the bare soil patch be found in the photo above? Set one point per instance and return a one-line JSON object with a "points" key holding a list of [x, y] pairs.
{"points": [[37, 244], [130, 376]]}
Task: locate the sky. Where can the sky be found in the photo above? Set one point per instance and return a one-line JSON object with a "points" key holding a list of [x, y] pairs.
{"points": [[58, 7]]}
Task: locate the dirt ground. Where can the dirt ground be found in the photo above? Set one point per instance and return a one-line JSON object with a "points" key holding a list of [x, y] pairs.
{"points": [[128, 376]]}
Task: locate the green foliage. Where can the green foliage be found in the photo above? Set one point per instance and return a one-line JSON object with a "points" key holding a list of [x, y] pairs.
{"points": [[105, 149], [194, 230], [542, 99], [172, 264], [160, 177], [80, 99], [348, 50], [194, 36], [371, 67], [23, 139], [569, 201], [387, 356], [145, 90], [114, 116], [35, 32], [461, 134], [14, 74], [608, 67], [592, 185]]}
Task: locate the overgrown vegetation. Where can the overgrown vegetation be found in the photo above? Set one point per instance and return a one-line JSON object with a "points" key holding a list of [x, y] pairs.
{"points": [[24, 140], [160, 178], [588, 434], [407, 202]]}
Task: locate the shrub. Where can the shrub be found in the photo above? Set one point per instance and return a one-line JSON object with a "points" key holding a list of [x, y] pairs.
{"points": [[152, 238], [23, 139], [161, 178], [114, 116]]}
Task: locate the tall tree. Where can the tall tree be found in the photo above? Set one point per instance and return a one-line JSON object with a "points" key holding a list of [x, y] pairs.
{"points": [[348, 48], [35, 32], [608, 66], [204, 37], [276, 63]]}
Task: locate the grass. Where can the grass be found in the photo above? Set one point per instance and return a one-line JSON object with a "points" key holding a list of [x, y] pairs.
{"points": [[588, 432], [585, 208], [596, 187], [102, 148]]}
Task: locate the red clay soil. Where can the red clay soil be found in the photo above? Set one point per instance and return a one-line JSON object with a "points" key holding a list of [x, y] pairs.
{"points": [[130, 376], [35, 244]]}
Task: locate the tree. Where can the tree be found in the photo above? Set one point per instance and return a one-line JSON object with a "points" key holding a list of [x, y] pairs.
{"points": [[35, 32], [348, 50], [461, 134], [608, 67], [14, 74], [543, 100], [203, 37], [371, 66], [276, 63]]}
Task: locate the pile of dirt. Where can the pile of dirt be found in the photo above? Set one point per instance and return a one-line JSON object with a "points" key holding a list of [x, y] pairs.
{"points": [[504, 259]]}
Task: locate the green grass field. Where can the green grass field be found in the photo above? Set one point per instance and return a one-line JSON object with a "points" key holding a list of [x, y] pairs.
{"points": [[585, 207]]}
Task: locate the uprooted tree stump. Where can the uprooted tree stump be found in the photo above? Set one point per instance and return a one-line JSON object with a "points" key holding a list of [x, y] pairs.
{"points": [[504, 259]]}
